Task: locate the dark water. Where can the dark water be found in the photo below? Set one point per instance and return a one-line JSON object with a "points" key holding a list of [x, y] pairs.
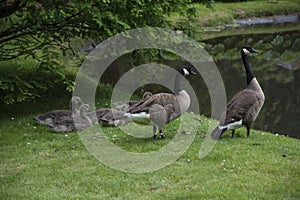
{"points": [[277, 67]]}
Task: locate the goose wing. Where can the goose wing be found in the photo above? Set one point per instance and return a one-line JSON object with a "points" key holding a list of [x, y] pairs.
{"points": [[238, 107], [162, 99]]}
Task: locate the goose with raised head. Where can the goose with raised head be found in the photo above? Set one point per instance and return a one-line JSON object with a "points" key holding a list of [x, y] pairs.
{"points": [[159, 109], [245, 106], [55, 115], [73, 122]]}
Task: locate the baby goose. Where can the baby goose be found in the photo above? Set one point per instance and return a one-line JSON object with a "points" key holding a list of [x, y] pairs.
{"points": [[73, 123], [51, 117]]}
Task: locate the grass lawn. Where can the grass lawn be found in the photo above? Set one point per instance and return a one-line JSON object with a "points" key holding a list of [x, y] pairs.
{"points": [[38, 164], [209, 23], [229, 12]]}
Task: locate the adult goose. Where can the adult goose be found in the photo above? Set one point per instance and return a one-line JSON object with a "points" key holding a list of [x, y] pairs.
{"points": [[159, 109], [53, 116], [73, 122], [245, 106]]}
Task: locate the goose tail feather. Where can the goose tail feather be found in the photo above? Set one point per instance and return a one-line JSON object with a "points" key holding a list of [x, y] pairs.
{"points": [[217, 132]]}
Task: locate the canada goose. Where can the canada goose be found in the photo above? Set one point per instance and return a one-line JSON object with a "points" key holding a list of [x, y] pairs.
{"points": [[55, 115], [161, 108], [73, 122], [244, 107]]}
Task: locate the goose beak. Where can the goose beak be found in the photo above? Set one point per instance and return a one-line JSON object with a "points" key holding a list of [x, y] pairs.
{"points": [[193, 73], [254, 51]]}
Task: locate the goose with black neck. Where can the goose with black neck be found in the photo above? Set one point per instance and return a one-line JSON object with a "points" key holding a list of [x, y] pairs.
{"points": [[162, 108], [245, 106]]}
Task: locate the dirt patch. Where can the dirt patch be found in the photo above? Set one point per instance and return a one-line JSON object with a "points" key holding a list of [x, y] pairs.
{"points": [[212, 16], [239, 11]]}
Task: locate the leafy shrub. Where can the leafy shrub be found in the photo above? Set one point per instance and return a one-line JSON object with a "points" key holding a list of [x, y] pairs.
{"points": [[20, 81]]}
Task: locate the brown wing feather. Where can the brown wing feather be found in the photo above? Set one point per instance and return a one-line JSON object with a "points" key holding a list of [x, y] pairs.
{"points": [[238, 106], [162, 99]]}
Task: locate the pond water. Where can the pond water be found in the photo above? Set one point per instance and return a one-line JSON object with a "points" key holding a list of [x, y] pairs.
{"points": [[277, 67]]}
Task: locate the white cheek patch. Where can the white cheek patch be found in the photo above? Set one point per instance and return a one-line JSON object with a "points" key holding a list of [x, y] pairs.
{"points": [[246, 51], [233, 125], [185, 71]]}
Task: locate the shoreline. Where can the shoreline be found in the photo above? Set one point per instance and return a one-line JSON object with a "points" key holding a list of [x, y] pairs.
{"points": [[269, 20]]}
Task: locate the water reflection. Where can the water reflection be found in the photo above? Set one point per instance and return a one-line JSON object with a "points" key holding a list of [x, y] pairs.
{"points": [[277, 69]]}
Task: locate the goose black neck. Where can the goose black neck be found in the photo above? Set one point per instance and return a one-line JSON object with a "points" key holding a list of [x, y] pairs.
{"points": [[249, 72], [178, 83]]}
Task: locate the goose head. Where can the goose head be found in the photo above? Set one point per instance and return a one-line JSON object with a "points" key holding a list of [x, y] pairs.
{"points": [[84, 109], [76, 99], [185, 71], [247, 50], [146, 95], [74, 103]]}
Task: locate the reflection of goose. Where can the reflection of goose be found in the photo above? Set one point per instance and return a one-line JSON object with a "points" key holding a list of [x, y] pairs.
{"points": [[291, 65], [244, 107], [73, 123], [162, 108], [55, 115]]}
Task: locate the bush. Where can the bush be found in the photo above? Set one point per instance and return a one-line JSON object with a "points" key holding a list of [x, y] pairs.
{"points": [[21, 81]]}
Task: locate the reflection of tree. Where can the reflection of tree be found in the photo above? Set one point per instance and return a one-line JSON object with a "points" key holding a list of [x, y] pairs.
{"points": [[281, 112]]}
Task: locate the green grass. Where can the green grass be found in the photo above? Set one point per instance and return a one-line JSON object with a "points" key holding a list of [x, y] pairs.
{"points": [[221, 20], [244, 30], [228, 12], [209, 23], [38, 164]]}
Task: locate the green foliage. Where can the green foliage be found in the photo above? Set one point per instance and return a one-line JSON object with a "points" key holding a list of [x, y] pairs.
{"points": [[14, 89], [43, 30], [28, 80], [54, 23]]}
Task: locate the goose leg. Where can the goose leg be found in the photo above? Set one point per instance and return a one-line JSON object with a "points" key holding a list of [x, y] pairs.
{"points": [[248, 131], [232, 133], [154, 133], [161, 134]]}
